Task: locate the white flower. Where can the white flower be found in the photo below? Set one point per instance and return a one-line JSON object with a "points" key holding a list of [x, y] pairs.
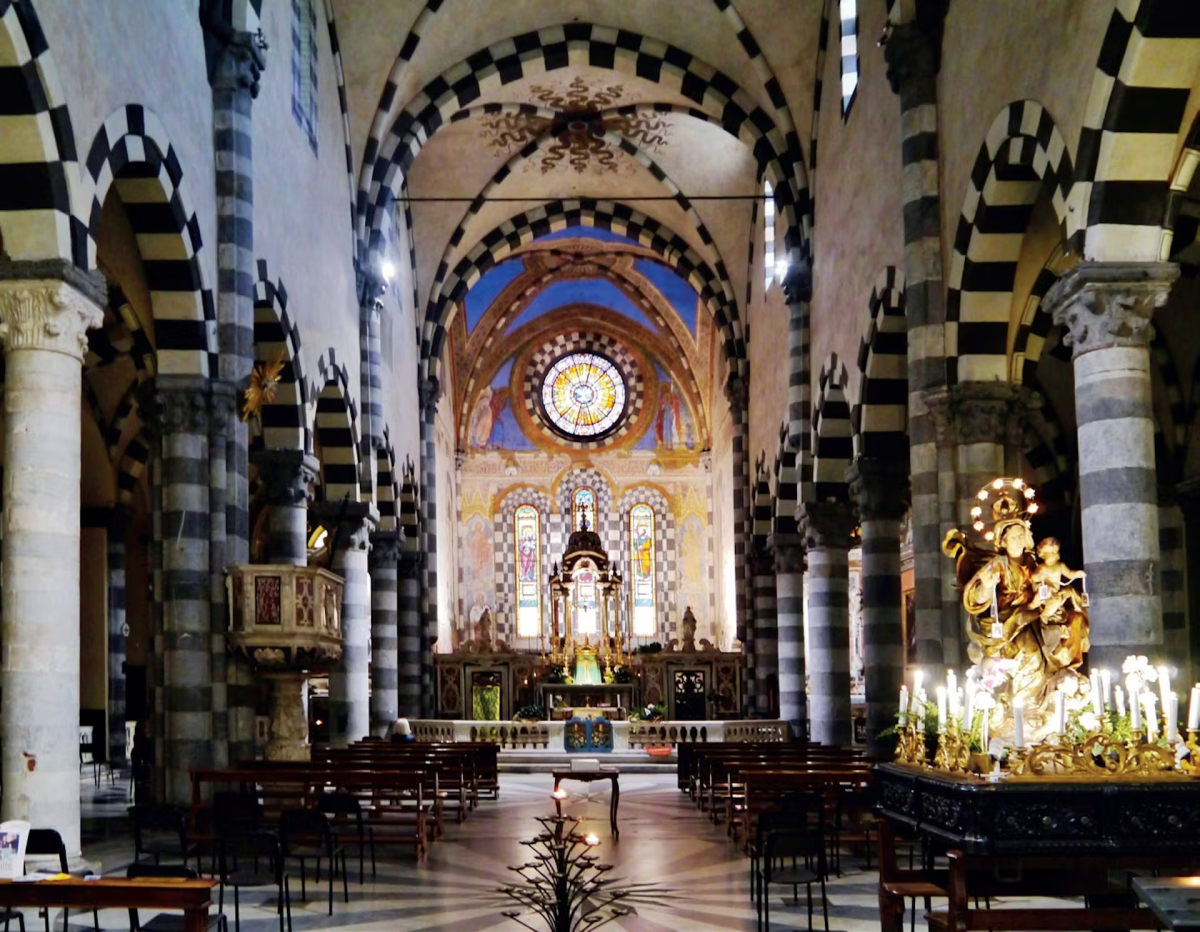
{"points": [[1139, 665], [1088, 721], [1069, 687], [984, 701]]}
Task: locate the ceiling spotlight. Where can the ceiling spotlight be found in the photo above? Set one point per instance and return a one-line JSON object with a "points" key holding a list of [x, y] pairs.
{"points": [[388, 270]]}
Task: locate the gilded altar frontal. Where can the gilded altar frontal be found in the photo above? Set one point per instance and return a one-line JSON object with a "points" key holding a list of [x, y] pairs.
{"points": [[440, 430]]}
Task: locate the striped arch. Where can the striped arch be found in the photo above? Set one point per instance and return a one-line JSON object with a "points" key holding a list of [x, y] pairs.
{"points": [[787, 487], [1023, 149], [555, 47], [39, 171], [666, 553], [833, 444], [337, 430], [133, 153], [1182, 228], [1134, 115], [132, 465], [387, 493], [504, 544], [764, 504], [276, 337], [880, 417], [451, 287]]}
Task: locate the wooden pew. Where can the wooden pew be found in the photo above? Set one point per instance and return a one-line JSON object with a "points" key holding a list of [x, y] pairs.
{"points": [[193, 897]]}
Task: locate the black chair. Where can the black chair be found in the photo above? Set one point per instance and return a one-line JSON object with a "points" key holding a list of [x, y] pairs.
{"points": [[793, 810], [46, 842], [305, 835], [167, 922], [803, 844], [97, 757], [160, 832], [252, 859], [345, 813], [234, 812]]}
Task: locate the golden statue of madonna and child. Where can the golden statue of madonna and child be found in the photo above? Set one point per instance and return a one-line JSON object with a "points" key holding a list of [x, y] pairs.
{"points": [[1029, 622]]}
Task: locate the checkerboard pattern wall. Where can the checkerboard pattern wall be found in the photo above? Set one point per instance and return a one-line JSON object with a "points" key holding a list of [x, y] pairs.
{"points": [[832, 440], [337, 429], [880, 416]]}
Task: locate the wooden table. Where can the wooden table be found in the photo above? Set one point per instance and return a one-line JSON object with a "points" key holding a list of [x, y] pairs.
{"points": [[192, 896], [1174, 900], [591, 776]]}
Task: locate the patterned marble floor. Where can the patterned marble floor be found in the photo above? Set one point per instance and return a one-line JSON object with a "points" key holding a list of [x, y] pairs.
{"points": [[664, 840]]}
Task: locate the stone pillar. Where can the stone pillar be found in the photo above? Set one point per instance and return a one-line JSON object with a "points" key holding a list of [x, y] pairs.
{"points": [[1173, 553], [177, 408], [789, 591], [766, 634], [45, 309], [429, 392], [1106, 310], [228, 689], [737, 391], [350, 526], [979, 428], [289, 476], [913, 53], [879, 487], [383, 563], [827, 528], [370, 288], [408, 636], [118, 630]]}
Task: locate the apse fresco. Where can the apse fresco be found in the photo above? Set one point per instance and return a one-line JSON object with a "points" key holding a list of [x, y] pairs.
{"points": [[678, 292], [595, 291]]}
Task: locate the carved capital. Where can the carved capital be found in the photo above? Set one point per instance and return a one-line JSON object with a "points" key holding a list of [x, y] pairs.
{"points": [[289, 476], [797, 284], [788, 553], [225, 399], [235, 58], [356, 535], [978, 412], [912, 53], [429, 392], [385, 549], [1107, 304], [880, 486], [174, 405], [46, 314], [350, 524], [826, 524], [737, 391], [411, 563], [370, 286]]}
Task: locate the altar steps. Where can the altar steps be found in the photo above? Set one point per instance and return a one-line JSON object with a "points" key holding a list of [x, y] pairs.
{"points": [[515, 760]]}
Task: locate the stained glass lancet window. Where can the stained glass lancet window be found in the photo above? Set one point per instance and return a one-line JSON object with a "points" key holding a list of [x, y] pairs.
{"points": [[641, 537], [583, 505], [529, 548], [583, 395], [768, 234]]}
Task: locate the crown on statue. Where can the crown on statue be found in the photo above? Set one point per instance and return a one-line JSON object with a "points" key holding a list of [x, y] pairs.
{"points": [[1011, 502]]}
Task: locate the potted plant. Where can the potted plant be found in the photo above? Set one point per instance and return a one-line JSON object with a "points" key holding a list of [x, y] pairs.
{"points": [[651, 713], [531, 712]]}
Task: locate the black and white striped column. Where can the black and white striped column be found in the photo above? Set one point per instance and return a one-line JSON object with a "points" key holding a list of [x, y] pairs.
{"points": [[289, 476], [117, 632], [235, 59], [429, 392], [408, 620], [766, 633], [383, 565], [737, 391], [913, 58], [880, 489], [1106, 310], [1173, 553], [178, 409], [44, 324], [223, 676], [789, 603], [371, 287], [827, 528], [349, 680]]}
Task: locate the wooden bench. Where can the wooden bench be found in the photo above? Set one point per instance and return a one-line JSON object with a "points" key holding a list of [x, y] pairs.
{"points": [[193, 897]]}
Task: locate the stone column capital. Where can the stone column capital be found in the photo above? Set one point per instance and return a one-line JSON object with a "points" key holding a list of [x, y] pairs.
{"points": [[236, 59], [979, 412], [826, 524], [788, 551], [797, 284], [170, 404], [385, 549], [737, 391], [1109, 304], [429, 392], [350, 524], [46, 314], [370, 286], [289, 475], [411, 563], [912, 52], [880, 487], [224, 398]]}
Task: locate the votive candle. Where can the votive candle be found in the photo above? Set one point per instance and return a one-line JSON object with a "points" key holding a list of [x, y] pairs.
{"points": [[1106, 679], [1097, 694], [1149, 700], [1135, 712], [1120, 695], [1171, 717], [1164, 685], [1019, 724], [941, 709], [903, 706], [1193, 722]]}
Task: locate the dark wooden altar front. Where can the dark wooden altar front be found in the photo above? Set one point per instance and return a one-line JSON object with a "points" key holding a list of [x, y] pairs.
{"points": [[1025, 817]]}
